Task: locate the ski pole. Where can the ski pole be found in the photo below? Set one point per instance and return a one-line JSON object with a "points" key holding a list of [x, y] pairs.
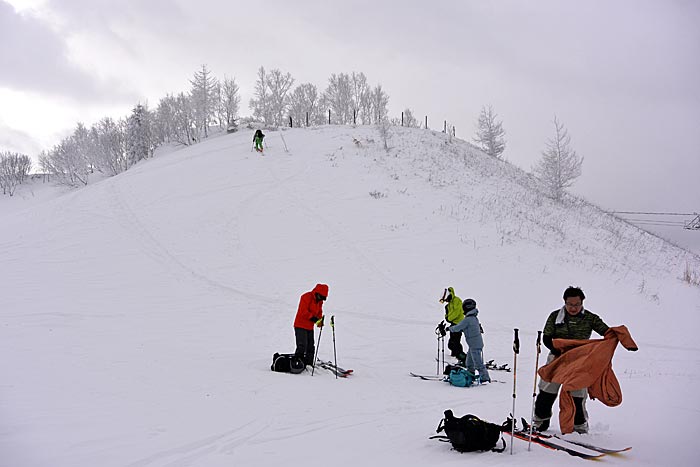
{"points": [[335, 356], [534, 388], [516, 351], [313, 367], [442, 339], [437, 357]]}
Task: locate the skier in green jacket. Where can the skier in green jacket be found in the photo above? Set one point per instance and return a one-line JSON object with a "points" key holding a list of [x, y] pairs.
{"points": [[454, 315], [258, 140]]}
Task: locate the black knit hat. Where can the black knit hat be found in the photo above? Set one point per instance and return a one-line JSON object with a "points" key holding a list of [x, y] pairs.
{"points": [[468, 305]]}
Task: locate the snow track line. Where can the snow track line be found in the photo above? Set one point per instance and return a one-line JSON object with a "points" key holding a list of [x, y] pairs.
{"points": [[156, 250]]}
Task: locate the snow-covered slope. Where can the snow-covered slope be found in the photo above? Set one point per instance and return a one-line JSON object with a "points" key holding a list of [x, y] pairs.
{"points": [[140, 313]]}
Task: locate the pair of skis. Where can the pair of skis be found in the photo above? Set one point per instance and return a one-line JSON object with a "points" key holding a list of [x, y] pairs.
{"points": [[444, 378], [575, 448], [336, 370]]}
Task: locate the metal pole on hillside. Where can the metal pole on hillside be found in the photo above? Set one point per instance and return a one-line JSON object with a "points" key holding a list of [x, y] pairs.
{"points": [[516, 351], [534, 386], [335, 356], [313, 367]]}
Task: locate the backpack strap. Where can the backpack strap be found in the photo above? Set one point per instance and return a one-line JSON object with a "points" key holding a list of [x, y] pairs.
{"points": [[441, 427], [500, 449]]}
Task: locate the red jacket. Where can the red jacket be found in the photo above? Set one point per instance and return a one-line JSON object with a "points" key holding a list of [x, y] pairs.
{"points": [[310, 310], [586, 364]]}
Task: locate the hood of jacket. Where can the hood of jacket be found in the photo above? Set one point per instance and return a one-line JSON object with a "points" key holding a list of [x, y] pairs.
{"points": [[322, 289]]}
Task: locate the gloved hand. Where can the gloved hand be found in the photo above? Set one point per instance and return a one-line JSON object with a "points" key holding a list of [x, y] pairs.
{"points": [[319, 322], [440, 329]]}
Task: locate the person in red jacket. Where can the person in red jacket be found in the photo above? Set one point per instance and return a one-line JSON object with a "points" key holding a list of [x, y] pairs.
{"points": [[310, 312]]}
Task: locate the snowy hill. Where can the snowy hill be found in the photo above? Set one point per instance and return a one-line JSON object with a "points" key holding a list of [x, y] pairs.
{"points": [[140, 313]]}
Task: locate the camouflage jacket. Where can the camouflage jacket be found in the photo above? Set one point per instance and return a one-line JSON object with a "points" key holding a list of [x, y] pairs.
{"points": [[561, 325]]}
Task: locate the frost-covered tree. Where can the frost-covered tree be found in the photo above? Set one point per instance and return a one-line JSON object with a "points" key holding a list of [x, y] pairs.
{"points": [[230, 101], [14, 169], [110, 145], [305, 100], [361, 97], [279, 85], [560, 166], [270, 99], [380, 105], [164, 128], [260, 102], [205, 98], [139, 136], [338, 97], [490, 136], [67, 162], [84, 146]]}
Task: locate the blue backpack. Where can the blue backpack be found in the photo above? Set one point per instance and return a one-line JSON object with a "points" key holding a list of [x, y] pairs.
{"points": [[461, 377]]}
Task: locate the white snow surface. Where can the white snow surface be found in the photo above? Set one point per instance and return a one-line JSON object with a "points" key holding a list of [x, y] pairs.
{"points": [[139, 314]]}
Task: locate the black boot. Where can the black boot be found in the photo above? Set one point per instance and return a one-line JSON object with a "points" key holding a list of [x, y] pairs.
{"points": [[543, 410]]}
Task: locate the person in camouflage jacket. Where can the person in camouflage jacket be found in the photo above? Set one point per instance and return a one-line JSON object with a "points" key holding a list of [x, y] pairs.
{"points": [[572, 321]]}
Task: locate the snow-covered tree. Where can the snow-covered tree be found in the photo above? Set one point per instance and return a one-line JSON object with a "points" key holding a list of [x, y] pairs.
{"points": [[380, 105], [14, 168], [270, 99], [205, 98], [279, 85], [139, 136], [164, 125], [110, 145], [490, 136], [361, 97], [338, 97], [230, 101], [560, 166], [67, 162], [259, 103], [305, 100]]}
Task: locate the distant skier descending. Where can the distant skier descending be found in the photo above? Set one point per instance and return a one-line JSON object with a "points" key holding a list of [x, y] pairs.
{"points": [[258, 140]]}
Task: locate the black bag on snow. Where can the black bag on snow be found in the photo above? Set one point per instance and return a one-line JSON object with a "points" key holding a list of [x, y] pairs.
{"points": [[287, 363], [470, 433]]}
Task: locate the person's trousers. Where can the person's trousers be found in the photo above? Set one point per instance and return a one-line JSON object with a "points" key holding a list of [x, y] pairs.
{"points": [[305, 345], [455, 344]]}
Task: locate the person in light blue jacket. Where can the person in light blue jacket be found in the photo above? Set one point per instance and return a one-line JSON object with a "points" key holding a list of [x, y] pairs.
{"points": [[472, 330]]}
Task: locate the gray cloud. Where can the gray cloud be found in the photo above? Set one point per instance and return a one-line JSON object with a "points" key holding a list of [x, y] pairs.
{"points": [[18, 141], [35, 58]]}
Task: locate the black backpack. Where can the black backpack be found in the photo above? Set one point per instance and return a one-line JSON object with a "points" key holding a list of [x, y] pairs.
{"points": [[470, 433], [287, 363]]}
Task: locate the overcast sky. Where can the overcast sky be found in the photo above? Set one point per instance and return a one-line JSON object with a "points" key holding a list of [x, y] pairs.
{"points": [[623, 76]]}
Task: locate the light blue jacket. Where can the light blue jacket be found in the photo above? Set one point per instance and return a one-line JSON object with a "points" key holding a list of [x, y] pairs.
{"points": [[471, 328]]}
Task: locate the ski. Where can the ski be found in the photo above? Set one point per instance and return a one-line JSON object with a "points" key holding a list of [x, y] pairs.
{"points": [[558, 445], [343, 373], [490, 365], [592, 446], [444, 379], [575, 441], [331, 364], [429, 377]]}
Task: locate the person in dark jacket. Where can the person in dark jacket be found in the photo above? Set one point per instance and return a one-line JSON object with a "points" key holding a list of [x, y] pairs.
{"points": [[571, 321], [454, 315], [309, 312], [471, 328], [258, 140]]}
